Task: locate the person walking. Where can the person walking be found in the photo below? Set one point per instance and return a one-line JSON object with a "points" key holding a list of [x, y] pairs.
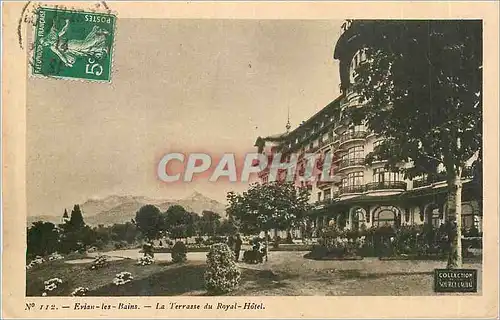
{"points": [[237, 246]]}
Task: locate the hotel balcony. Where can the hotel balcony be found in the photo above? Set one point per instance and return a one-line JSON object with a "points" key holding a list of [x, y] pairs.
{"points": [[326, 143], [421, 183], [439, 178], [386, 185], [321, 184], [334, 180], [352, 189], [352, 136], [355, 162]]}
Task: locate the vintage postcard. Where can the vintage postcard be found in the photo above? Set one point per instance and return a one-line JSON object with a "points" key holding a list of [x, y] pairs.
{"points": [[250, 159]]}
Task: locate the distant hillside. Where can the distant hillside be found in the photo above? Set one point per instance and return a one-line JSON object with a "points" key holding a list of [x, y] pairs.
{"points": [[120, 209]]}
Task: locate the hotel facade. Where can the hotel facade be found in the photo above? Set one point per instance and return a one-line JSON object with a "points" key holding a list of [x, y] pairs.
{"points": [[362, 195]]}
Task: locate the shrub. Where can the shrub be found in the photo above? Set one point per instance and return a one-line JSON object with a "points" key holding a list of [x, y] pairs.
{"points": [[37, 261], [198, 240], [51, 286], [253, 256], [99, 262], [120, 245], [145, 261], [55, 256], [179, 252], [222, 274], [80, 291], [122, 278]]}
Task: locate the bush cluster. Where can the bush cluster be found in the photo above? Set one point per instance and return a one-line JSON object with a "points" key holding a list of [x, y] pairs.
{"points": [[222, 274], [386, 241], [99, 262], [179, 252], [145, 261]]}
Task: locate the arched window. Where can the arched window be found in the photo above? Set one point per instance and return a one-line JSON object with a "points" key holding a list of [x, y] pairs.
{"points": [[377, 144], [357, 218], [357, 59], [470, 217], [385, 216]]}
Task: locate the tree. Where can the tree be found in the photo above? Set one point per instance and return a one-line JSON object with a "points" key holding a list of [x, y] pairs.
{"points": [[209, 223], [42, 239], [76, 220], [65, 216], [179, 222], [277, 205], [193, 224], [227, 227], [124, 232], [148, 221], [75, 234], [421, 88]]}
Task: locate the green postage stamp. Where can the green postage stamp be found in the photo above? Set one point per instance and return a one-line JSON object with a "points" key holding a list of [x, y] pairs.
{"points": [[73, 44]]}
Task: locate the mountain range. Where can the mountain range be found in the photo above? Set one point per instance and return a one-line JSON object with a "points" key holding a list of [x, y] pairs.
{"points": [[120, 209]]}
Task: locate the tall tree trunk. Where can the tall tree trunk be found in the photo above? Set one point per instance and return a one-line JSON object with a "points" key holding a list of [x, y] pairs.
{"points": [[455, 195], [266, 235]]}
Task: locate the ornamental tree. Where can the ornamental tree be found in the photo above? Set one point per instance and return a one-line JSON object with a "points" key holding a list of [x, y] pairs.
{"points": [[421, 89], [276, 205]]}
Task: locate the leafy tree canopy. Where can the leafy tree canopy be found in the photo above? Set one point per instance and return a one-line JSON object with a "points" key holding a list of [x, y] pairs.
{"points": [[277, 205], [148, 221], [421, 86]]}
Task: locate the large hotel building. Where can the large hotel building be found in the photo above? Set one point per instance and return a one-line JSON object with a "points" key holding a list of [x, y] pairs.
{"points": [[359, 193]]}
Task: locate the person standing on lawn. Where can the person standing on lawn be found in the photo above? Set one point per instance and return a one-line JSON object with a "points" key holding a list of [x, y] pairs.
{"points": [[237, 246], [230, 242]]}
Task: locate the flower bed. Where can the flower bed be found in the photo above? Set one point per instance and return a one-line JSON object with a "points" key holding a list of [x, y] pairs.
{"points": [[79, 292], [55, 256], [35, 262], [122, 278], [145, 261], [99, 262], [51, 286]]}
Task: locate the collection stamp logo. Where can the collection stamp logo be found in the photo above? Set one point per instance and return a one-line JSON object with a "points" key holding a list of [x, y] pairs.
{"points": [[455, 280], [73, 44]]}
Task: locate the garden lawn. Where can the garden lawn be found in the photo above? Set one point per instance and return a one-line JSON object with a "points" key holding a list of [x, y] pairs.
{"points": [[79, 275], [285, 274]]}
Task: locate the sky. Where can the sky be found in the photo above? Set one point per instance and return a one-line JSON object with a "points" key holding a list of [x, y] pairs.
{"points": [[177, 86]]}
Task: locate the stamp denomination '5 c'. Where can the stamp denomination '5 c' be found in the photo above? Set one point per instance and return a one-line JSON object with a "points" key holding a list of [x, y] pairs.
{"points": [[73, 44]]}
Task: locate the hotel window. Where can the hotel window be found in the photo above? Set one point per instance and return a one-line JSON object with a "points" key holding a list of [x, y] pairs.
{"points": [[356, 153], [319, 196], [358, 128], [355, 62], [380, 176], [353, 179], [328, 194]]}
